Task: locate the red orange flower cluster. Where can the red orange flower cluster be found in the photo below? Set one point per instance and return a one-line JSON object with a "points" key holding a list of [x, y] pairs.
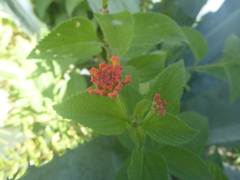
{"points": [[158, 105], [107, 79]]}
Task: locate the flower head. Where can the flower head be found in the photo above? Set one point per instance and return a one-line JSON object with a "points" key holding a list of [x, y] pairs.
{"points": [[158, 105], [107, 79]]}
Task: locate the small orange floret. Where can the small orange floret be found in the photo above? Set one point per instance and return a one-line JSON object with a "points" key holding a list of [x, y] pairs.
{"points": [[119, 87], [93, 71], [114, 60], [128, 79], [113, 95], [91, 91], [103, 66], [102, 92]]}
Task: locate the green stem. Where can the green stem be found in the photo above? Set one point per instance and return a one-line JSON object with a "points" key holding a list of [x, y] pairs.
{"points": [[198, 68], [104, 6], [150, 113], [220, 64], [107, 49], [100, 58], [121, 106]]}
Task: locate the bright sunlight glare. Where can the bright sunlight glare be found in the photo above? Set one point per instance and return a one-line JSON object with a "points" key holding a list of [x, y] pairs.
{"points": [[210, 6]]}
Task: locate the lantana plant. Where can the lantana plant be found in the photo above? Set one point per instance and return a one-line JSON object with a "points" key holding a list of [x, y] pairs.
{"points": [[136, 99], [117, 108]]}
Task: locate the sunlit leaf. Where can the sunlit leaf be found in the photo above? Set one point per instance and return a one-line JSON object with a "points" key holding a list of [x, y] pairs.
{"points": [[151, 29], [73, 39], [10, 69], [97, 112], [118, 30], [76, 84], [130, 97], [148, 66], [142, 107]]}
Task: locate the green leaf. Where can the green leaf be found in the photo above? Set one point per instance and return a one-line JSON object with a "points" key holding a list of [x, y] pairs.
{"points": [[130, 70], [168, 129], [231, 57], [228, 68], [216, 171], [142, 107], [200, 123], [129, 94], [216, 71], [73, 39], [184, 164], [196, 43], [97, 159], [214, 157], [117, 30], [152, 144], [135, 169], [122, 172], [223, 115], [71, 5], [147, 165], [170, 85], [173, 51], [97, 112], [148, 66], [187, 76], [233, 74], [151, 29], [144, 87], [41, 7], [231, 48], [130, 97], [138, 135], [76, 84], [126, 140]]}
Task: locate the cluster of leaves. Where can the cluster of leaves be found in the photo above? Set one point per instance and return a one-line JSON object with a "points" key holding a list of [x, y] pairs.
{"points": [[31, 99]]}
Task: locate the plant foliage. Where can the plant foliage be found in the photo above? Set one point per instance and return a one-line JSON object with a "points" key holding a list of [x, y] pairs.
{"points": [[139, 85]]}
